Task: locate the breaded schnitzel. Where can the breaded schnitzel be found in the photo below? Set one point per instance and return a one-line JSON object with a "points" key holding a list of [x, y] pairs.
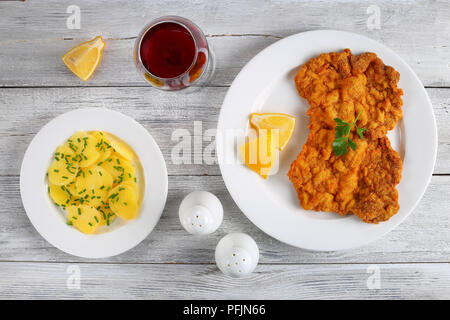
{"points": [[362, 181], [339, 84]]}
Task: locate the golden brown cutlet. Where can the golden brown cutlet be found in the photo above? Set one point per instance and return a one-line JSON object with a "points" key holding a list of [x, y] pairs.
{"points": [[362, 182]]}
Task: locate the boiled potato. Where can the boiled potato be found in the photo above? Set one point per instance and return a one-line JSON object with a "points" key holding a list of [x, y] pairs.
{"points": [[119, 168], [93, 185], [106, 215], [120, 147], [103, 145], [62, 171], [84, 218], [72, 189], [62, 196], [93, 176], [84, 147], [123, 201], [64, 152], [131, 184]]}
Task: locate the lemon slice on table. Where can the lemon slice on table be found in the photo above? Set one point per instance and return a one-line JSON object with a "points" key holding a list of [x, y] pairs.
{"points": [[83, 59], [268, 121]]}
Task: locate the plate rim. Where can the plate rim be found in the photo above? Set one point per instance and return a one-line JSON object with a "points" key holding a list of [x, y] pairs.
{"points": [[220, 151]]}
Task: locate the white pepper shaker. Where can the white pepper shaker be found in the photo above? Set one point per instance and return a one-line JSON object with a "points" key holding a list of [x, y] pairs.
{"points": [[200, 213], [237, 254]]}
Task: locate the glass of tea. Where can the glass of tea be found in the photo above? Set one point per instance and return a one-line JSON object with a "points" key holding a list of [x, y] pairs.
{"points": [[172, 53]]}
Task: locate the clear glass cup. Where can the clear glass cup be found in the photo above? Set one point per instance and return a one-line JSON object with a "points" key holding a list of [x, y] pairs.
{"points": [[200, 68]]}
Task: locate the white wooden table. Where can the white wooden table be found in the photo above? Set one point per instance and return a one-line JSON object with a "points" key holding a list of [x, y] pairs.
{"points": [[35, 86]]}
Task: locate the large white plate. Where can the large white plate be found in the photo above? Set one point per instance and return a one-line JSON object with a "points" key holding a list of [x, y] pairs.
{"points": [[49, 220], [266, 84]]}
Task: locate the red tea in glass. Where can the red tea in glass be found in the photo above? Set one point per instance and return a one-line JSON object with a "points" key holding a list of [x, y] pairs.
{"points": [[171, 53]]}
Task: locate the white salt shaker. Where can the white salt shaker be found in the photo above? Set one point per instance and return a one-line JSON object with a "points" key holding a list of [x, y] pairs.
{"points": [[237, 254], [200, 213]]}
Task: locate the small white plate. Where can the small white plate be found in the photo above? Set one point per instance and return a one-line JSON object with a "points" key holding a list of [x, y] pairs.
{"points": [[50, 221], [266, 84]]}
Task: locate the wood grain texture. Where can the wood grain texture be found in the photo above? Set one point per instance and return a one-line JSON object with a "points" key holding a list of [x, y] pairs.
{"points": [[104, 281], [417, 30], [423, 237], [26, 110], [35, 86]]}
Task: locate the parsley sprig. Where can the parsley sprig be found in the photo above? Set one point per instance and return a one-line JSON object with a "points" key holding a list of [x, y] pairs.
{"points": [[342, 136]]}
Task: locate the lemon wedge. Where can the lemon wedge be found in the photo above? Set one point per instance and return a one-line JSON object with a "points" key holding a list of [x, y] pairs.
{"points": [[260, 154], [83, 59], [269, 121]]}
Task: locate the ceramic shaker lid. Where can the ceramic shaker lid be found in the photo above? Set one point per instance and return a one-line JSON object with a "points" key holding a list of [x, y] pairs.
{"points": [[200, 213], [237, 254]]}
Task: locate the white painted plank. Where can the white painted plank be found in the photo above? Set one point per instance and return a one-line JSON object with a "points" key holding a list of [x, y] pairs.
{"points": [[104, 281], [32, 33], [41, 64], [423, 237], [26, 110]]}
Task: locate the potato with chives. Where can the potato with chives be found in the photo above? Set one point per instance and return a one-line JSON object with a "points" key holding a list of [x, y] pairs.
{"points": [[64, 152], [123, 201], [61, 196], [119, 168], [93, 182], [72, 189], [120, 147], [62, 171], [103, 145], [93, 185], [84, 147], [132, 184], [84, 218], [106, 214]]}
